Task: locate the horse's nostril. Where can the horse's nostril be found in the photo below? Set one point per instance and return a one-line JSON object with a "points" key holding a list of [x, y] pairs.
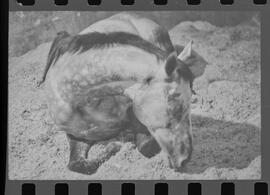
{"points": [[169, 125], [184, 163], [182, 167], [175, 95]]}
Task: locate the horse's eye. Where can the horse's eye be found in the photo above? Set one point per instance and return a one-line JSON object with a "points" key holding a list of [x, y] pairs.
{"points": [[148, 80]]}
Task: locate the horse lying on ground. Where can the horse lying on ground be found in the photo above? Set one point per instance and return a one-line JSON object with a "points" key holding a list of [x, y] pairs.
{"points": [[122, 73]]}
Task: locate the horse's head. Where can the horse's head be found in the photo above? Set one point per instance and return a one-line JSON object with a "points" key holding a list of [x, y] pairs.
{"points": [[162, 104]]}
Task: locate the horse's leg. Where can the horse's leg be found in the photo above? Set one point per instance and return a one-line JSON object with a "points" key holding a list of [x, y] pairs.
{"points": [[79, 149], [145, 142], [147, 145]]}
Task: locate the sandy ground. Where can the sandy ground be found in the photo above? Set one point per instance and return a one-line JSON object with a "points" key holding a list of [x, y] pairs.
{"points": [[225, 115]]}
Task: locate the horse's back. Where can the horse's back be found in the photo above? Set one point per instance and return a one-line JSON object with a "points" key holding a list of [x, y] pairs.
{"points": [[134, 24], [111, 24]]}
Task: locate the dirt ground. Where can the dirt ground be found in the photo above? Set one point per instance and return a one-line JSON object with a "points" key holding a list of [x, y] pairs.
{"points": [[225, 115]]}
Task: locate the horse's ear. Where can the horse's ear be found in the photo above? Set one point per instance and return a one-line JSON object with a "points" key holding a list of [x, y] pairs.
{"points": [[171, 63], [195, 62], [186, 53]]}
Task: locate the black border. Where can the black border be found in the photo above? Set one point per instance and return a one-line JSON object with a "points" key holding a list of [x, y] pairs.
{"points": [[4, 88], [245, 187]]}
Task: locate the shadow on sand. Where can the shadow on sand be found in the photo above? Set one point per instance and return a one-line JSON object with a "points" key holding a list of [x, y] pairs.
{"points": [[222, 144]]}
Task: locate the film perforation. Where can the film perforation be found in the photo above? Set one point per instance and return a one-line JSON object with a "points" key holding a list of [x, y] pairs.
{"points": [[132, 2], [61, 189], [161, 189], [127, 2], [226, 2], [128, 189], [260, 2], [26, 2], [94, 189], [227, 188], [193, 2], [61, 2], [194, 189], [261, 188], [161, 2], [28, 189], [94, 2]]}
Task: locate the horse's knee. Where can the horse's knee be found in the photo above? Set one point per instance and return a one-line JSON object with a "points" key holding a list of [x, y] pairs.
{"points": [[83, 166], [78, 161], [147, 145], [78, 156]]}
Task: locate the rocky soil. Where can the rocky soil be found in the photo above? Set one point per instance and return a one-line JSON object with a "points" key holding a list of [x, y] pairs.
{"points": [[225, 115]]}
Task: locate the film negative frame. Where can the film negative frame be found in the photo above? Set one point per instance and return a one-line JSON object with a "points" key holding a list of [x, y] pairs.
{"points": [[212, 187]]}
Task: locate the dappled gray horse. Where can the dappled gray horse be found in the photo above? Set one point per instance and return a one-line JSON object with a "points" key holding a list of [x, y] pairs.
{"points": [[122, 73]]}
